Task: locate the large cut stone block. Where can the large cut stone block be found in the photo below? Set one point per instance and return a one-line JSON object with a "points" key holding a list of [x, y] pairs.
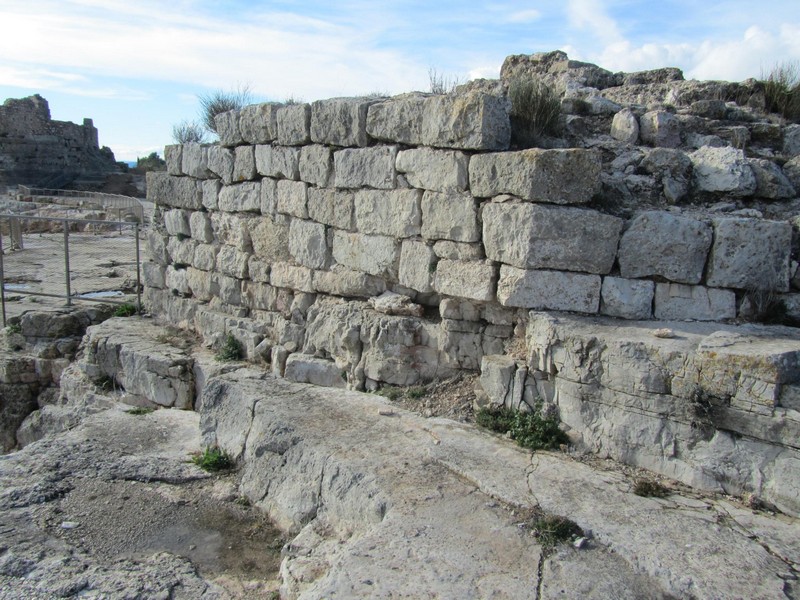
{"points": [[342, 281], [436, 170], [164, 189], [210, 193], [723, 170], [244, 163], [331, 207], [550, 237], [194, 161], [474, 280], [293, 277], [397, 120], [677, 301], [627, 298], [173, 156], [373, 254], [555, 176], [667, 245], [270, 240], [308, 245], [241, 197], [232, 229], [227, 125], [316, 165], [551, 290], [292, 197], [280, 162], [221, 162], [660, 128], [304, 368], [340, 121], [232, 262], [294, 125], [417, 265], [450, 216], [750, 254], [393, 212], [176, 222], [366, 167], [258, 123]]}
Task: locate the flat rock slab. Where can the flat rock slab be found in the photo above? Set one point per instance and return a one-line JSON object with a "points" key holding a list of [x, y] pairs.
{"points": [[388, 503]]}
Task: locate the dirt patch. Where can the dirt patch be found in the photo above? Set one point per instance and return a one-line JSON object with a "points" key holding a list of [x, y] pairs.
{"points": [[451, 398]]}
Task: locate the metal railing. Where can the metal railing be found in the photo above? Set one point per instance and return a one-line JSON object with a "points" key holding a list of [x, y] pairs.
{"points": [[124, 205], [107, 247]]}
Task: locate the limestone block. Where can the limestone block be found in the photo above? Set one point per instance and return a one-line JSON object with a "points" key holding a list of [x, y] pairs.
{"points": [[474, 280], [792, 171], [660, 128], [417, 265], [232, 262], [461, 349], [471, 121], [340, 121], [156, 247], [200, 227], [221, 162], [394, 213], [270, 239], [229, 289], [292, 196], [227, 125], [307, 244], [770, 181], [244, 163], [723, 170], [181, 251], [154, 275], [458, 250], [556, 176], [258, 269], [269, 196], [341, 281], [550, 290], [210, 194], [294, 122], [202, 283], [436, 170], [791, 140], [293, 277], [664, 244], [176, 222], [625, 127], [316, 165], [175, 280], [500, 382], [397, 120], [232, 230], [194, 161], [240, 197], [174, 159], [750, 253], [164, 189], [373, 254], [304, 368], [280, 162], [260, 296], [331, 207], [365, 167], [627, 298], [679, 302], [450, 216], [205, 256], [258, 123], [550, 237]]}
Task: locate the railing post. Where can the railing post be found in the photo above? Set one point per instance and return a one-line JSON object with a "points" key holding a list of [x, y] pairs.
{"points": [[138, 271], [66, 261], [2, 280]]}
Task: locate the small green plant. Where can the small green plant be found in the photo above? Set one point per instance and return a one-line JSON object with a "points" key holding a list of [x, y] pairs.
{"points": [[212, 459], [125, 310], [231, 349], [552, 530], [766, 306], [782, 90], [106, 383], [14, 328], [535, 111], [243, 501], [140, 410], [531, 430], [219, 101], [188, 132], [391, 392], [650, 489], [416, 392]]}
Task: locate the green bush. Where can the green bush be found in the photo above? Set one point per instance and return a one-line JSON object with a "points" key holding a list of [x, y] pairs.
{"points": [[535, 111], [140, 410], [552, 530], [152, 162], [219, 101], [231, 349], [212, 459], [125, 310], [782, 90], [650, 489], [530, 430], [188, 132]]}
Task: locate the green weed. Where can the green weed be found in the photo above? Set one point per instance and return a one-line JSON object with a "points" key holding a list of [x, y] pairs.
{"points": [[125, 310], [552, 530], [140, 410], [230, 350], [212, 459], [531, 430], [650, 489], [535, 111]]}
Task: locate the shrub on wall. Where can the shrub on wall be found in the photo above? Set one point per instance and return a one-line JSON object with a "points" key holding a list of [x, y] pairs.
{"points": [[535, 111], [219, 101], [188, 132], [782, 90]]}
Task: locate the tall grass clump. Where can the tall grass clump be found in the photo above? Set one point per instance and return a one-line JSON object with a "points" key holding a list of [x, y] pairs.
{"points": [[441, 84], [535, 111], [782, 90], [220, 101], [188, 132]]}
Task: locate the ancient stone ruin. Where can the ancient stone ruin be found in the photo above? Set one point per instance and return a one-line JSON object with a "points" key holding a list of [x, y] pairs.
{"points": [[606, 274], [36, 150]]}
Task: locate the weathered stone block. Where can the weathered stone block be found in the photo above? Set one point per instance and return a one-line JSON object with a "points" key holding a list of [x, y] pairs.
{"points": [[154, 275], [293, 277], [280, 162], [660, 243], [232, 230], [397, 120], [316, 165], [366, 167], [791, 140], [395, 213], [308, 245], [176, 222], [174, 159], [210, 194], [627, 298], [500, 381], [202, 283], [625, 127], [200, 227], [227, 125], [458, 250], [723, 170], [750, 253], [660, 128], [229, 289], [220, 162], [232, 262], [258, 123], [331, 207], [550, 237], [417, 265], [771, 183], [181, 251], [373, 254], [472, 121], [341, 281], [205, 257], [156, 247], [450, 216], [340, 121], [244, 163], [270, 239], [269, 196], [436, 170], [551, 290], [260, 296], [240, 197], [176, 281], [555, 176], [675, 301], [304, 368], [194, 161], [258, 269], [466, 279], [164, 189], [292, 196], [294, 125]]}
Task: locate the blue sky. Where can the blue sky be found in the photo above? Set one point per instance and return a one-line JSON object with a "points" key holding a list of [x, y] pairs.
{"points": [[137, 68]]}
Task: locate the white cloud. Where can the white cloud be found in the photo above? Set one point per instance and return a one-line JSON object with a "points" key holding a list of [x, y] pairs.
{"points": [[524, 16], [591, 16]]}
